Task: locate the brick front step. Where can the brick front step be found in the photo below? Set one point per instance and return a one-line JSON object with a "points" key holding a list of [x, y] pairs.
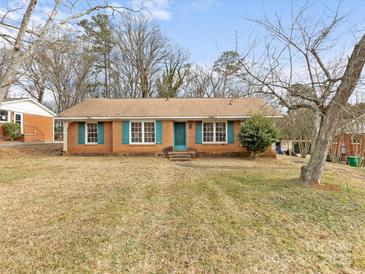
{"points": [[181, 155], [180, 159], [188, 152]]}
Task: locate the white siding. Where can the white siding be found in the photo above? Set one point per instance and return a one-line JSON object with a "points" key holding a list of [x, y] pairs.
{"points": [[26, 106]]}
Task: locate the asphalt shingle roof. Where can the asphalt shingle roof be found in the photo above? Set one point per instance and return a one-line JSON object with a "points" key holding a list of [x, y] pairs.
{"points": [[171, 107]]}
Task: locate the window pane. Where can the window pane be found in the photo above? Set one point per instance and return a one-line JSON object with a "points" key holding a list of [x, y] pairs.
{"points": [[136, 132], [4, 115], [92, 133], [149, 132], [18, 119], [208, 132], [220, 132]]}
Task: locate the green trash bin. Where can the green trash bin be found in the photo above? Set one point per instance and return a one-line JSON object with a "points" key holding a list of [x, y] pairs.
{"points": [[354, 160]]}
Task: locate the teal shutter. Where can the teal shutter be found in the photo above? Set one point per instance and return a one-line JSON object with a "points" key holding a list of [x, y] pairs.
{"points": [[159, 132], [230, 132], [198, 133], [125, 132], [100, 132], [81, 133]]}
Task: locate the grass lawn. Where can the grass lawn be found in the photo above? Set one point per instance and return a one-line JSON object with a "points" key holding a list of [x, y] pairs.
{"points": [[136, 214]]}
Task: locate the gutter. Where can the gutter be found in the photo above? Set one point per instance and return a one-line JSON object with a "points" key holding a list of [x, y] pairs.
{"points": [[106, 118]]}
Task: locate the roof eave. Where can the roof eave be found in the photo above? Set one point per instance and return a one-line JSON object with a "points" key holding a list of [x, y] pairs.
{"points": [[4, 103], [231, 117]]}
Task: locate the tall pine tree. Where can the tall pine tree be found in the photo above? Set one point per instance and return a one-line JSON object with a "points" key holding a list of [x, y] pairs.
{"points": [[99, 33]]}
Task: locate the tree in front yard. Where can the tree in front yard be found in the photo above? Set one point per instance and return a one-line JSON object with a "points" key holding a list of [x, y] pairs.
{"points": [[305, 51], [257, 134], [13, 130]]}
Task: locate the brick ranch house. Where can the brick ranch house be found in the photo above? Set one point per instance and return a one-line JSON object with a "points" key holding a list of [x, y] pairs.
{"points": [[35, 120], [156, 126], [349, 140]]}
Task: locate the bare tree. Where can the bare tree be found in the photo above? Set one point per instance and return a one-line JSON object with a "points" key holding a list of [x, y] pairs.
{"points": [[141, 49], [66, 68], [32, 76], [19, 43], [214, 81], [200, 82], [15, 59], [301, 53], [222, 79], [174, 72], [4, 60]]}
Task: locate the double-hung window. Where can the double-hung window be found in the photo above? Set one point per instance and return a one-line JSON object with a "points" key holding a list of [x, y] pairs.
{"points": [[220, 132], [4, 116], [91, 133], [143, 132], [214, 132], [18, 118]]}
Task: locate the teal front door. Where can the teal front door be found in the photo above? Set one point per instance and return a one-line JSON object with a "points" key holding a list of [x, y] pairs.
{"points": [[179, 136]]}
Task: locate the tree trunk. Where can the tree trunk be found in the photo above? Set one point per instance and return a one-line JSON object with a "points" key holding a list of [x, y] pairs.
{"points": [[106, 83], [303, 148], [312, 172], [290, 150], [144, 86], [16, 54], [316, 124], [40, 95]]}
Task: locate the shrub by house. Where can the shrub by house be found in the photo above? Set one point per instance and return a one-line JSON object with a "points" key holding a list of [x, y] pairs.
{"points": [[257, 134]]}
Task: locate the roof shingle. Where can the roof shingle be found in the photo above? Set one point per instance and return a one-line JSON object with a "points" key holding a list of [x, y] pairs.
{"points": [[167, 108]]}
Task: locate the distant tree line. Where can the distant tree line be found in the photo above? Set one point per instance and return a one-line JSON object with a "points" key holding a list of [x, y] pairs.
{"points": [[126, 58]]}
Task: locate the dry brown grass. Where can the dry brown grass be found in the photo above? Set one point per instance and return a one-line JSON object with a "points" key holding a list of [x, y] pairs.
{"points": [[115, 214]]}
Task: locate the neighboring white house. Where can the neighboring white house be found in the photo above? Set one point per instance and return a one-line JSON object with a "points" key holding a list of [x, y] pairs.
{"points": [[36, 121]]}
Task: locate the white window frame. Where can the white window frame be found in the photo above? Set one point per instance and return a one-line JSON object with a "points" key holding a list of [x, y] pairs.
{"points": [[143, 142], [21, 121], [8, 120], [214, 132], [86, 133]]}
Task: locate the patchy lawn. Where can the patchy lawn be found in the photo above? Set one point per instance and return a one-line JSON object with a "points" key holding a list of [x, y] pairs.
{"points": [[115, 214]]}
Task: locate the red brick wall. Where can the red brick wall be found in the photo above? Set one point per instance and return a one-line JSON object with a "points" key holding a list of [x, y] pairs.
{"points": [[36, 128], [74, 148], [1, 131], [113, 141]]}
